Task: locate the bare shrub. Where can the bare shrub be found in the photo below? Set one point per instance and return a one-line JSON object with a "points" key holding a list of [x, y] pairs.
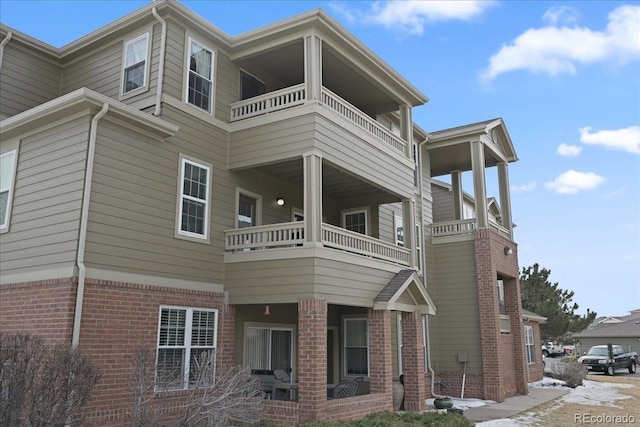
{"points": [[41, 384], [569, 370], [234, 396]]}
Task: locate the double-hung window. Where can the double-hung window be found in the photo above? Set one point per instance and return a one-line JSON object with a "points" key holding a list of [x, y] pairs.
{"points": [[186, 347], [356, 347], [7, 177], [398, 226], [355, 220], [135, 63], [193, 205], [200, 78], [418, 247], [529, 344]]}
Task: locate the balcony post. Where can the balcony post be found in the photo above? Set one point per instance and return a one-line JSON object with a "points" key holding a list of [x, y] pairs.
{"points": [[456, 184], [409, 227], [406, 128], [313, 66], [505, 197], [312, 197], [479, 185]]}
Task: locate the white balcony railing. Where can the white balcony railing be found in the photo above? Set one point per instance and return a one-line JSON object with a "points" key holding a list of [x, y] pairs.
{"points": [[357, 117], [453, 228], [339, 238], [291, 234], [269, 102], [264, 236]]}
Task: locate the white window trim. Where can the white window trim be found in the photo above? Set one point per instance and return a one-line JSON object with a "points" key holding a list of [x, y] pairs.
{"points": [[187, 340], [214, 56], [179, 233], [501, 290], [4, 225], [419, 239], [400, 342], [345, 319], [258, 199], [528, 329], [147, 66], [398, 219], [367, 217], [272, 327]]}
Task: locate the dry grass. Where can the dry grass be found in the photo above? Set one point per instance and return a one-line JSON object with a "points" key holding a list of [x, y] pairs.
{"points": [[560, 413]]}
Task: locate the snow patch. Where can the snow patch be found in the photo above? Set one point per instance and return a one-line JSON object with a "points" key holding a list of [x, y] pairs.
{"points": [[596, 393]]}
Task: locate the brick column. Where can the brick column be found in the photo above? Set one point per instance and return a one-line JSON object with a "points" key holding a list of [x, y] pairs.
{"points": [[312, 359], [486, 281], [413, 362], [380, 361], [512, 302], [226, 337]]}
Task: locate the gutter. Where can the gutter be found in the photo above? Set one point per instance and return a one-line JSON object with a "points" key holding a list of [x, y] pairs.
{"points": [[2, 44], [163, 48], [83, 224]]}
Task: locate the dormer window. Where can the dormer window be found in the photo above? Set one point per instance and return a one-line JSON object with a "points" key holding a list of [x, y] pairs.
{"points": [[135, 63], [200, 81]]}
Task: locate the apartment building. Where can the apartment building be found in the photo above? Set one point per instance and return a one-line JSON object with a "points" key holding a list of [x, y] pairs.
{"points": [[266, 197]]}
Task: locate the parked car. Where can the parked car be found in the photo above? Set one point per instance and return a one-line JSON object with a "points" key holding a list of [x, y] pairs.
{"points": [[597, 359], [552, 349], [569, 350]]}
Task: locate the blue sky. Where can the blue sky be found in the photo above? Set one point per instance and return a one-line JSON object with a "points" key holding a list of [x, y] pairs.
{"points": [[564, 75]]}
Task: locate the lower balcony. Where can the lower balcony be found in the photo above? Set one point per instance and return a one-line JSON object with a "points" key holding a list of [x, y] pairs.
{"points": [[291, 235]]}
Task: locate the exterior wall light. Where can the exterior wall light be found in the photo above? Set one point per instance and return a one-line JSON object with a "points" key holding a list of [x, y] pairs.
{"points": [[508, 250], [280, 201]]}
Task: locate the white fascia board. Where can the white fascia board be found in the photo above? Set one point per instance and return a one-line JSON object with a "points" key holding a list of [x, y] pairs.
{"points": [[79, 100]]}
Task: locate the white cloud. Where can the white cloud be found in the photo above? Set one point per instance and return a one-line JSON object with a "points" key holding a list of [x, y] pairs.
{"points": [[572, 182], [561, 49], [627, 139], [523, 188], [567, 150], [412, 16], [560, 14]]}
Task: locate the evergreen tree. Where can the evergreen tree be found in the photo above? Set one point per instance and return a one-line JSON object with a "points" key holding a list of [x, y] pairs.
{"points": [[542, 297]]}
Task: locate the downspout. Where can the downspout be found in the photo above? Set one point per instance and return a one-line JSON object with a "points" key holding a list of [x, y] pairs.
{"points": [[433, 374], [83, 224], [2, 44], [163, 48]]}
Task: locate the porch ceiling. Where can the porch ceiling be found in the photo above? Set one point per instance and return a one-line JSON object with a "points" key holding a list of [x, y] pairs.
{"points": [[336, 183], [285, 63]]}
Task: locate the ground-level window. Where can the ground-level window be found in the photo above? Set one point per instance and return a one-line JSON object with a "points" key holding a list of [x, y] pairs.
{"points": [[186, 347], [193, 206], [7, 178], [529, 344], [355, 220], [269, 347], [356, 347]]}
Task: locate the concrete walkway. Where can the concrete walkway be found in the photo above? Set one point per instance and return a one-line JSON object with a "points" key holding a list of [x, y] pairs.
{"points": [[514, 405]]}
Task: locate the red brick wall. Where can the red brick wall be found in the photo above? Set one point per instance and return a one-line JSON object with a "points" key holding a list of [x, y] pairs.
{"points": [[504, 369], [380, 360], [353, 408], [312, 359], [413, 362], [43, 308]]}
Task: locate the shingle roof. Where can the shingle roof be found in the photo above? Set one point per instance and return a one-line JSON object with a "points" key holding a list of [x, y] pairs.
{"points": [[393, 286], [628, 328]]}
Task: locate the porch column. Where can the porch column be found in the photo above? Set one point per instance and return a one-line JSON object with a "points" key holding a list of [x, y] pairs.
{"points": [[479, 186], [409, 228], [505, 197], [406, 128], [413, 362], [312, 359], [380, 360], [456, 184], [312, 198], [513, 306], [226, 338], [313, 66]]}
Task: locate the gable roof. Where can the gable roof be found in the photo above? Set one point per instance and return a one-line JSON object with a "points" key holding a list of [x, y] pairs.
{"points": [[405, 292], [628, 328], [533, 317]]}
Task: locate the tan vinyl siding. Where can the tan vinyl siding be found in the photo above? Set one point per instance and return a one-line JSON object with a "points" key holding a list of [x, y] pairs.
{"points": [[47, 201], [134, 197], [26, 80], [459, 329], [227, 86], [100, 71], [442, 204], [174, 60]]}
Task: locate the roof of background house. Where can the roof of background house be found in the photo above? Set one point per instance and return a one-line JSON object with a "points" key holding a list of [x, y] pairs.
{"points": [[530, 315], [629, 326]]}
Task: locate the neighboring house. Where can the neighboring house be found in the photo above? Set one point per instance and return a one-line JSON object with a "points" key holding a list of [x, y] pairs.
{"points": [[266, 197], [622, 330], [533, 344]]}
